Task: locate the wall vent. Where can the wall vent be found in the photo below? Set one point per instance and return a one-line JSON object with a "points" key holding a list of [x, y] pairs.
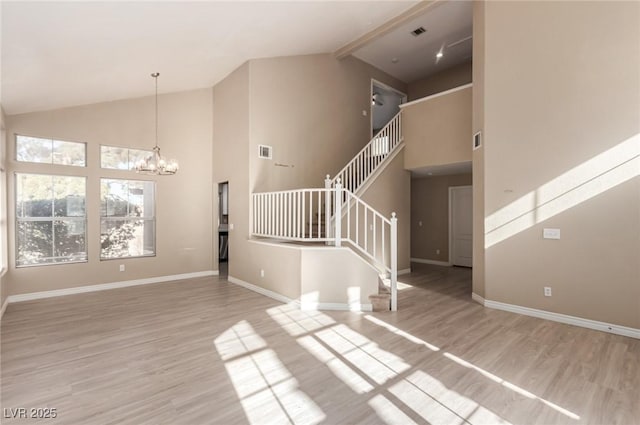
{"points": [[265, 151], [416, 32]]}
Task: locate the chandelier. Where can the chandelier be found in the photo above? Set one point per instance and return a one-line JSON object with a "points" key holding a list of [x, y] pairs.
{"points": [[156, 163]]}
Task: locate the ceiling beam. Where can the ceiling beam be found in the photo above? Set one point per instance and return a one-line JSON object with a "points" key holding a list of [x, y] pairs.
{"points": [[387, 27]]}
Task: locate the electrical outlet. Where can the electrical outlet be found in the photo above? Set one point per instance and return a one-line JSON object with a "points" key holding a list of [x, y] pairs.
{"points": [[437, 252], [121, 267], [547, 291], [261, 273]]}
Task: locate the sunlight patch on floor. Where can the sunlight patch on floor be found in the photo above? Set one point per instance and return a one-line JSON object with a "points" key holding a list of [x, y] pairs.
{"points": [[379, 365], [237, 340], [297, 322], [398, 391], [511, 386], [389, 412], [399, 285], [452, 400], [343, 372], [401, 333], [267, 391]]}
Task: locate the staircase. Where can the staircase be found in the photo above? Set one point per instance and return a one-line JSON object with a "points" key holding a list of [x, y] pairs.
{"points": [[336, 214]]}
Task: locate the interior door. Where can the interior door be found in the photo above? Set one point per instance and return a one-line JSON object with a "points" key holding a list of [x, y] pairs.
{"points": [[461, 225]]}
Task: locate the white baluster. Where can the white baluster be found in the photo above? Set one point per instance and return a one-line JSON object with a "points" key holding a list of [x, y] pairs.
{"points": [[394, 262], [338, 215]]}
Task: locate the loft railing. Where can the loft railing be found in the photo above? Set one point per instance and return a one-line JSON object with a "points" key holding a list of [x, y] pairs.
{"points": [[362, 166], [295, 215], [305, 215]]}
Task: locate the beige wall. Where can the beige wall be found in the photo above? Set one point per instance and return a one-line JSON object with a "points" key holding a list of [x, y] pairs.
{"points": [[455, 76], [231, 163], [184, 213], [309, 109], [350, 280], [438, 131], [430, 206], [552, 103], [390, 193], [282, 266], [478, 154]]}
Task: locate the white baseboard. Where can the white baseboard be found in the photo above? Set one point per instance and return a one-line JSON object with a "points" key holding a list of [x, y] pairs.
{"points": [[434, 262], [309, 306], [477, 298], [563, 318], [404, 271], [4, 307], [336, 306], [262, 291], [106, 286]]}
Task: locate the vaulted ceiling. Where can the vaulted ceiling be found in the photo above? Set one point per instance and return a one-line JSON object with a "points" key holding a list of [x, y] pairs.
{"points": [[59, 54]]}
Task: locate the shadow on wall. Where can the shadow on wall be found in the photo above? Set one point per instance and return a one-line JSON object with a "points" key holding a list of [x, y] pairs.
{"points": [[589, 179]]}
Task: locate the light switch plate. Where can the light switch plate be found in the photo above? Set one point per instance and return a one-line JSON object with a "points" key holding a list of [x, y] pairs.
{"points": [[551, 234]]}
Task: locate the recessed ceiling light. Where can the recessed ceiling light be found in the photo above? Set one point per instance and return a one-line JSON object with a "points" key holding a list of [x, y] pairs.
{"points": [[439, 55]]}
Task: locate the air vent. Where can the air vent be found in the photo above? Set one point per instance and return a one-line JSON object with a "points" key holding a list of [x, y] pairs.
{"points": [[265, 151], [420, 30]]}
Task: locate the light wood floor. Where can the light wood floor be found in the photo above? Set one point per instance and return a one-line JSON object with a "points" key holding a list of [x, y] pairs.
{"points": [[206, 351]]}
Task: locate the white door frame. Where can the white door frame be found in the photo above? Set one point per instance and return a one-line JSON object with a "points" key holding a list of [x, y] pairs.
{"points": [[375, 82], [451, 189]]}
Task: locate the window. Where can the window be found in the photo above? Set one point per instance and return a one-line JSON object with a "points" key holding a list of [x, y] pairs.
{"points": [[117, 158], [49, 151], [50, 219], [127, 218]]}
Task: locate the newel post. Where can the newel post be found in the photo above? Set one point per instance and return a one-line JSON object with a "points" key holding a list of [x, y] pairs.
{"points": [[394, 262], [338, 213], [327, 207]]}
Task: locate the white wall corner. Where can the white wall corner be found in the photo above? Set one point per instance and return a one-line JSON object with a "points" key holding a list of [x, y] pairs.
{"points": [[107, 286], [404, 271], [563, 318], [477, 298]]}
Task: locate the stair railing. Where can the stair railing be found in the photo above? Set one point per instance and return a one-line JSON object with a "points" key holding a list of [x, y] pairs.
{"points": [[305, 215], [294, 215], [362, 166], [369, 232]]}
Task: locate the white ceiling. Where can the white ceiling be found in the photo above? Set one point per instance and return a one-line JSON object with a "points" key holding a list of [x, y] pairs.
{"points": [[446, 23], [58, 54]]}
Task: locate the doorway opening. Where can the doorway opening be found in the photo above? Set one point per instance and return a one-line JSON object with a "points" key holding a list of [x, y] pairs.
{"points": [[223, 229], [385, 104]]}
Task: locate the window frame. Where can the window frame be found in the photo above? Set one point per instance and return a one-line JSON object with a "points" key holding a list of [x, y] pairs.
{"points": [[51, 219], [128, 149], [15, 146], [153, 219]]}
